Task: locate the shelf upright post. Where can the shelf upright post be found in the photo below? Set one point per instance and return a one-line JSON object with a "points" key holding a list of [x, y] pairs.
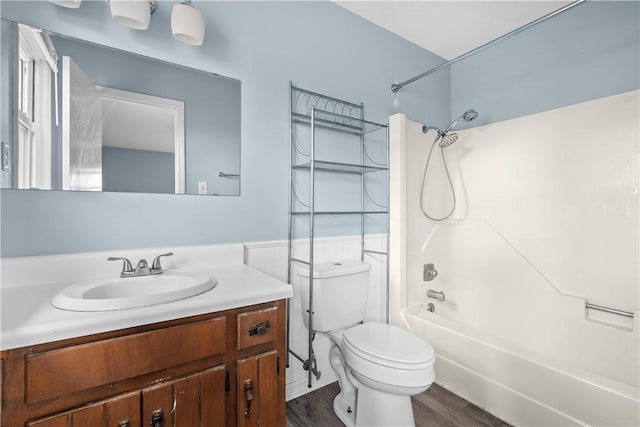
{"points": [[388, 222], [289, 254], [311, 238], [362, 141]]}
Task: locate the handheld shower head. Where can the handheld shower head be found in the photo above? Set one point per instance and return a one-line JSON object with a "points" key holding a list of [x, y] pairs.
{"points": [[468, 116]]}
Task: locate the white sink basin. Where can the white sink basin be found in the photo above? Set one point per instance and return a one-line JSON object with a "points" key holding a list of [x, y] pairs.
{"points": [[132, 292]]}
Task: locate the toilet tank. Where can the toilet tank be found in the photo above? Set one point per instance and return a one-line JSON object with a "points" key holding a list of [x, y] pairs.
{"points": [[339, 294]]}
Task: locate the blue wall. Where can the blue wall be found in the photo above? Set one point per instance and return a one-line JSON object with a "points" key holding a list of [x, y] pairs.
{"points": [[124, 169], [587, 52], [317, 45]]}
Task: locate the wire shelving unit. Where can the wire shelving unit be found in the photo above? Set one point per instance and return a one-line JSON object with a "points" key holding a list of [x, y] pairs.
{"points": [[359, 151]]}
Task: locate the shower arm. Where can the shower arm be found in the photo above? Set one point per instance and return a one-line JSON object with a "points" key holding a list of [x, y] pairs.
{"points": [[397, 86], [426, 129]]}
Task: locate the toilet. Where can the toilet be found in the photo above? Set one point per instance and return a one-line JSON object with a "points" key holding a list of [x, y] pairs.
{"points": [[379, 366]]}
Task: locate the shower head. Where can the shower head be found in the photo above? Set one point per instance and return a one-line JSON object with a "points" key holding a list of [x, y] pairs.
{"points": [[468, 116], [448, 139]]}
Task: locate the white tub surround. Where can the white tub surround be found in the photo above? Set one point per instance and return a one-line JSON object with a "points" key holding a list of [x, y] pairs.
{"points": [[546, 221], [29, 284]]}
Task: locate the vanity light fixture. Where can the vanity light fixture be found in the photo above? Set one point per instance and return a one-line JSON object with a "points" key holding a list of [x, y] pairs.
{"points": [[187, 23], [71, 4], [134, 14]]}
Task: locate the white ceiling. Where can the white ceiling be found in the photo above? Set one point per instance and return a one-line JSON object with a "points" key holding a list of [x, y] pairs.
{"points": [[450, 28]]}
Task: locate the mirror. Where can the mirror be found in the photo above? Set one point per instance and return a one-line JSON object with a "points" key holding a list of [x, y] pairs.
{"points": [[81, 116]]}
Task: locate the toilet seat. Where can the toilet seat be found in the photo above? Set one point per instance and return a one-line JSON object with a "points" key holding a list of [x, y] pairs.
{"points": [[389, 355]]}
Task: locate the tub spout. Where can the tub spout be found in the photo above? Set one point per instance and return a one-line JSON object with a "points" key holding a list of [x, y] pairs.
{"points": [[439, 295]]}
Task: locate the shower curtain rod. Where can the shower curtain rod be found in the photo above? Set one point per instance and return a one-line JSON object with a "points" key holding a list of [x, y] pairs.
{"points": [[397, 86]]}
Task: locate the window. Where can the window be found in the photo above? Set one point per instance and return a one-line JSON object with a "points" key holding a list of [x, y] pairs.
{"points": [[35, 66], [25, 99]]}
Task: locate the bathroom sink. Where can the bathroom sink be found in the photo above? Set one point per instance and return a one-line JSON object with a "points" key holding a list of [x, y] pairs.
{"points": [[132, 292]]}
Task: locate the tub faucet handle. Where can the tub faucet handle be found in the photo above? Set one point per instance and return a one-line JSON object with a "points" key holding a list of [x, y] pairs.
{"points": [[429, 272]]}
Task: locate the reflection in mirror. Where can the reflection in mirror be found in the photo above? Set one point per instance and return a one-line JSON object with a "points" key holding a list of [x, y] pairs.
{"points": [[86, 117]]}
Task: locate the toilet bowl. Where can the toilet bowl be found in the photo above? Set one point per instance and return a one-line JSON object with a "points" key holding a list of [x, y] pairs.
{"points": [[379, 366]]}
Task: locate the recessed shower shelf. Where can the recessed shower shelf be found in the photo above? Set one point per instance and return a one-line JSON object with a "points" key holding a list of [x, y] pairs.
{"points": [[338, 122], [320, 165]]}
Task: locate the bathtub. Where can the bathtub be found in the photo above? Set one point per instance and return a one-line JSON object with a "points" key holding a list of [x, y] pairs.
{"points": [[518, 388]]}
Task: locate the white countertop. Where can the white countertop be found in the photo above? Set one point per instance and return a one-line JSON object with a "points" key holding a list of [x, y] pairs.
{"points": [[28, 318]]}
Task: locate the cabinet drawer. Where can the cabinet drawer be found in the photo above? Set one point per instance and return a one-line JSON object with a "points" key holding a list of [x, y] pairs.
{"points": [[104, 362], [257, 327]]}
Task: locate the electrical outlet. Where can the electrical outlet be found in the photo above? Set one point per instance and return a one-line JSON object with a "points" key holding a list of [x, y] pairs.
{"points": [[202, 187], [6, 157]]}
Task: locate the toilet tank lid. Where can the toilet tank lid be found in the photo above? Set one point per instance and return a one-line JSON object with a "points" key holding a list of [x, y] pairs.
{"points": [[333, 269]]}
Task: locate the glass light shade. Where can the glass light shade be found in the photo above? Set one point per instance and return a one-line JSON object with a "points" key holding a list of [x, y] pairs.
{"points": [[71, 4], [187, 24], [134, 14]]}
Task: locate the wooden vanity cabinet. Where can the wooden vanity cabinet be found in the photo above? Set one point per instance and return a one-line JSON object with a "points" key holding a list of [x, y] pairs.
{"points": [[219, 369]]}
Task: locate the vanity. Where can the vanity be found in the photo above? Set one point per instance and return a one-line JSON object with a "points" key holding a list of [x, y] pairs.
{"points": [[215, 359]]}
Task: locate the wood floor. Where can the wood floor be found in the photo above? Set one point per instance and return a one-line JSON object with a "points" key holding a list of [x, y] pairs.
{"points": [[436, 407]]}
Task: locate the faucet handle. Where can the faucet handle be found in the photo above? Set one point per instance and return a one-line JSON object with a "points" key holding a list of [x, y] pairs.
{"points": [[127, 268], [156, 261]]}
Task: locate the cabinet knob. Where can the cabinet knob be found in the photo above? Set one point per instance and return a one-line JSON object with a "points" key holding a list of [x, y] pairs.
{"points": [[157, 418], [248, 391], [124, 423], [260, 328]]}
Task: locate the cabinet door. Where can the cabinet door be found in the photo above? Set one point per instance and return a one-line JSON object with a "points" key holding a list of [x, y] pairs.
{"points": [[257, 385], [213, 397], [59, 421], [121, 411], [157, 405], [194, 401], [88, 416]]}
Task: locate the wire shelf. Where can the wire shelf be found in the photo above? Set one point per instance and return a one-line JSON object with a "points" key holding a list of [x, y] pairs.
{"points": [[321, 165], [302, 101], [346, 124], [331, 113], [358, 212]]}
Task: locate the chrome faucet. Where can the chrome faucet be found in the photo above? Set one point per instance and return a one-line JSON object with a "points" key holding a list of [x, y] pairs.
{"points": [[142, 268]]}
